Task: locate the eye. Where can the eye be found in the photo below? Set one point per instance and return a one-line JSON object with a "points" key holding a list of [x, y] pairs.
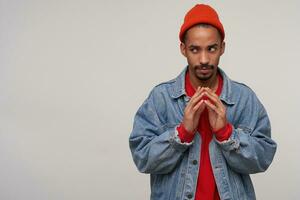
{"points": [[194, 50], [212, 49]]}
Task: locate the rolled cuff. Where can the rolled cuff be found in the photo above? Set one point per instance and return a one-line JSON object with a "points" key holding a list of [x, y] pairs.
{"points": [[184, 135], [224, 133]]}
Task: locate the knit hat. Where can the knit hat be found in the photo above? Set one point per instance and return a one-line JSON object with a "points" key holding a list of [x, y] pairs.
{"points": [[201, 13]]}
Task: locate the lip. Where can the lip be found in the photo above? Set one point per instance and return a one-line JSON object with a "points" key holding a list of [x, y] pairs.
{"points": [[203, 70]]}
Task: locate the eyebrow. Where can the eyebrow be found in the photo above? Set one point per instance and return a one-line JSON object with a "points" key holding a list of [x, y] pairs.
{"points": [[193, 47], [213, 45], [209, 46]]}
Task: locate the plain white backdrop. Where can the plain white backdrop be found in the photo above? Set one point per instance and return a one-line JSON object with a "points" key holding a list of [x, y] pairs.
{"points": [[73, 74]]}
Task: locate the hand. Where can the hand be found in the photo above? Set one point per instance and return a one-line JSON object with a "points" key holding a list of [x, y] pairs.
{"points": [[216, 110], [193, 111]]}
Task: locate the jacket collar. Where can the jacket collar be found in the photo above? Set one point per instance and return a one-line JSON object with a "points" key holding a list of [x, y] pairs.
{"points": [[178, 88]]}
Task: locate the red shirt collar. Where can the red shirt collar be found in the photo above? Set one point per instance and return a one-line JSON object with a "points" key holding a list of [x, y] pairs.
{"points": [[190, 90]]}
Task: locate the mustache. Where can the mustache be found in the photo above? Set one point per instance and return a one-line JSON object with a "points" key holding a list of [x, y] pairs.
{"points": [[205, 66]]}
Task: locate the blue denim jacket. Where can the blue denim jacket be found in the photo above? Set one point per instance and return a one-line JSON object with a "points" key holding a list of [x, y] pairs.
{"points": [[174, 166]]}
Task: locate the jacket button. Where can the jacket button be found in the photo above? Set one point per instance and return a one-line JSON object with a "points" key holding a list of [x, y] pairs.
{"points": [[195, 162], [190, 196]]}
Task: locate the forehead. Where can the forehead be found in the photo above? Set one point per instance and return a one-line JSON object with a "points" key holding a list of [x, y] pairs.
{"points": [[202, 36]]}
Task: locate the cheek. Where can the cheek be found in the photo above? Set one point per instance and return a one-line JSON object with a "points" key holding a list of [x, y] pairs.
{"points": [[215, 59], [192, 59]]}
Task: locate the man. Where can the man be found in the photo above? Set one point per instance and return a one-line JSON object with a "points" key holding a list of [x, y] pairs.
{"points": [[201, 134]]}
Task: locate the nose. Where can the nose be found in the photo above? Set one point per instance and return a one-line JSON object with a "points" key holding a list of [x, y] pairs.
{"points": [[204, 58]]}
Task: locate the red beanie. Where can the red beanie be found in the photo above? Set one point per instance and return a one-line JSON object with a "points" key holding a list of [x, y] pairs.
{"points": [[201, 13]]}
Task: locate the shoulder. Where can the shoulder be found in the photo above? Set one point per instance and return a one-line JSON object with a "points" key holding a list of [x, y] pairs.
{"points": [[165, 84], [244, 94], [163, 88], [234, 90], [173, 88], [241, 87]]}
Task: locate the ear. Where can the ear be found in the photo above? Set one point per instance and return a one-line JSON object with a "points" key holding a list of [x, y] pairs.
{"points": [[223, 48], [183, 49]]}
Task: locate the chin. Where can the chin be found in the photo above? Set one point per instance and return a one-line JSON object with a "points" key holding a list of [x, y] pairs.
{"points": [[204, 77]]}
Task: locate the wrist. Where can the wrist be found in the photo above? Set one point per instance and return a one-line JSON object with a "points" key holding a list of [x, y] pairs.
{"points": [[224, 133], [184, 134]]}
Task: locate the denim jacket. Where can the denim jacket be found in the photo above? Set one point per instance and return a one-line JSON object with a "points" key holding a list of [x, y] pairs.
{"points": [[173, 166]]}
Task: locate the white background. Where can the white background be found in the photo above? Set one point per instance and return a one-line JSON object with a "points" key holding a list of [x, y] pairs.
{"points": [[74, 72]]}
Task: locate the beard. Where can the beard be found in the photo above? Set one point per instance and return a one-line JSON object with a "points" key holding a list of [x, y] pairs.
{"points": [[204, 72]]}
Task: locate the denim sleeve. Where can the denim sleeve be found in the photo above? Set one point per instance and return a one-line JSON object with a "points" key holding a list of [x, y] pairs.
{"points": [[155, 145], [250, 148]]}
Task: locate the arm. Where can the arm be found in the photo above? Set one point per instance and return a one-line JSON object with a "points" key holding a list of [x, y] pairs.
{"points": [[154, 144], [250, 149]]}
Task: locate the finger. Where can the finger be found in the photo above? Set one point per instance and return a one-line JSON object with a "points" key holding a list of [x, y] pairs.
{"points": [[202, 89], [193, 101], [196, 94], [211, 93], [214, 98], [196, 100], [200, 105], [212, 107]]}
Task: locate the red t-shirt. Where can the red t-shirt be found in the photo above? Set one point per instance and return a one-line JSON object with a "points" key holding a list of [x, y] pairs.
{"points": [[206, 185]]}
